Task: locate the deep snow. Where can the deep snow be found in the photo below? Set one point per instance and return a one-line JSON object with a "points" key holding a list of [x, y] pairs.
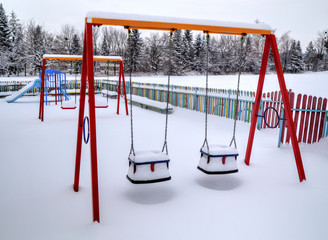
{"points": [[262, 201]]}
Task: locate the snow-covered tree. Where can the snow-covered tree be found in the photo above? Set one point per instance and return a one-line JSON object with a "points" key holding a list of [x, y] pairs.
{"points": [[5, 43], [188, 52], [17, 55], [310, 59], [177, 53], [295, 63], [154, 53], [134, 50], [199, 53], [104, 48], [76, 45], [65, 39]]}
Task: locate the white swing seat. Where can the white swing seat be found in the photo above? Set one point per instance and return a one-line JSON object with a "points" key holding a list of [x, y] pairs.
{"points": [[148, 167], [218, 159]]}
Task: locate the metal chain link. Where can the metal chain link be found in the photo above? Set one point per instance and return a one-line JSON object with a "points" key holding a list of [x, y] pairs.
{"points": [[206, 90], [130, 88], [233, 140], [168, 94]]}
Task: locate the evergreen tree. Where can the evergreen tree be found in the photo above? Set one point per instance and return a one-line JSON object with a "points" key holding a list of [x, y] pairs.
{"points": [[104, 48], [177, 53], [188, 52], [295, 63], [76, 46], [155, 59], [199, 53], [134, 50], [4, 30], [310, 59], [38, 47], [5, 44], [17, 56]]}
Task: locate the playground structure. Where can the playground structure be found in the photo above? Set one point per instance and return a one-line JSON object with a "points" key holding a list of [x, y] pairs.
{"points": [[130, 21], [55, 81], [53, 77]]}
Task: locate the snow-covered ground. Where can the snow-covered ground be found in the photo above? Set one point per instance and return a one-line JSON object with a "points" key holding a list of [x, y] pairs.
{"points": [[262, 201]]}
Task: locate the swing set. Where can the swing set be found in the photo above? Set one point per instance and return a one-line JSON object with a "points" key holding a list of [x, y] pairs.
{"points": [[121, 83], [209, 153]]}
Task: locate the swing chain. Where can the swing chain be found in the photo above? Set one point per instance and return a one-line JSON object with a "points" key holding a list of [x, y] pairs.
{"points": [[206, 89], [108, 80], [233, 140], [130, 89], [168, 92]]}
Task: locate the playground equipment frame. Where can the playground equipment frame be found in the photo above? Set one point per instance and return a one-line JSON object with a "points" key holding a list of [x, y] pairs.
{"points": [[80, 58], [131, 21]]}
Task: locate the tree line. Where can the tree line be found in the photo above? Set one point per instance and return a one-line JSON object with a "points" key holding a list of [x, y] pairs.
{"points": [[22, 46]]}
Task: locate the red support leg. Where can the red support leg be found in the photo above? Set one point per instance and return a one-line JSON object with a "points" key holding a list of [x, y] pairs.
{"points": [[124, 89], [56, 89], [257, 100], [92, 116], [288, 112], [119, 89], [80, 121], [41, 107]]}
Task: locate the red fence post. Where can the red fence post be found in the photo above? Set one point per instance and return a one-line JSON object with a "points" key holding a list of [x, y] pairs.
{"points": [[300, 132], [317, 120], [322, 119]]}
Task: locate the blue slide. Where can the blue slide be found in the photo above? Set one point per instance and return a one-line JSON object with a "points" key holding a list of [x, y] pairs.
{"points": [[13, 97]]}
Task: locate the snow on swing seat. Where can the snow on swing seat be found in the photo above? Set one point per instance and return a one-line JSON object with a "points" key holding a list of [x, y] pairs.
{"points": [[148, 167], [219, 159]]}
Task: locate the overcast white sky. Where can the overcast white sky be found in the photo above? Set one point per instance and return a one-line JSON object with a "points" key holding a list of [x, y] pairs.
{"points": [[304, 18]]}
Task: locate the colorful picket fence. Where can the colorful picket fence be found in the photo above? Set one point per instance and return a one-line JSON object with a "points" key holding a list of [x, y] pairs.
{"points": [[221, 102], [12, 86], [310, 116]]}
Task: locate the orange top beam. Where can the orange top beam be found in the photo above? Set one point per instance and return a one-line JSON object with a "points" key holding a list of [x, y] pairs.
{"points": [[135, 21], [79, 57]]}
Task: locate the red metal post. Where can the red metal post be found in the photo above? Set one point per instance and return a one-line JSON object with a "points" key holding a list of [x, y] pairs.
{"points": [[288, 112], [119, 89], [258, 95], [56, 89], [41, 107], [80, 121], [124, 89], [92, 116]]}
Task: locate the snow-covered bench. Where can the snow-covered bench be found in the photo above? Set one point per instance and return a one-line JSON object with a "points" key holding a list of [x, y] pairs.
{"points": [[149, 103], [111, 94]]}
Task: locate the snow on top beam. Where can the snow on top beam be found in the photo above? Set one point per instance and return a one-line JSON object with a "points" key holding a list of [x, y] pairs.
{"points": [[80, 57], [136, 21]]}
